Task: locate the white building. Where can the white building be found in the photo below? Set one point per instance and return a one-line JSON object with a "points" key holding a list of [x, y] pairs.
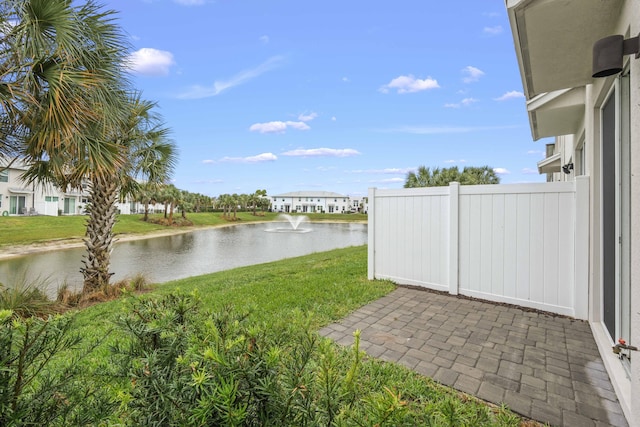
{"points": [[18, 198], [596, 125], [311, 202]]}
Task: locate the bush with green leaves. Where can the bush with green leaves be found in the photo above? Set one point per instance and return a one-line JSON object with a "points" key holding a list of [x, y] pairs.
{"points": [[33, 392], [190, 367]]}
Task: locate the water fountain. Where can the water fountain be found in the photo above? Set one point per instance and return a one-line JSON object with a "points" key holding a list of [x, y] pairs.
{"points": [[293, 222]]}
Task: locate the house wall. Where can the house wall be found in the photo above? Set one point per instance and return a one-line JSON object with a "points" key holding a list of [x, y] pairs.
{"points": [[633, 12]]}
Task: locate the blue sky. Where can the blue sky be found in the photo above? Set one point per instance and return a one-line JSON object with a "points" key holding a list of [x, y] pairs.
{"points": [[335, 96]]}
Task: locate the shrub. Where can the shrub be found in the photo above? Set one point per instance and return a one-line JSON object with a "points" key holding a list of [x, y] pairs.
{"points": [[32, 390], [190, 367]]}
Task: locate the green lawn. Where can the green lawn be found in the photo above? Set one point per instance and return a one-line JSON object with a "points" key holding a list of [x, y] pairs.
{"points": [[315, 290], [24, 230], [281, 297]]}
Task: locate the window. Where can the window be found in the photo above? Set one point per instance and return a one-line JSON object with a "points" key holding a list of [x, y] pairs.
{"points": [[51, 198], [4, 176]]}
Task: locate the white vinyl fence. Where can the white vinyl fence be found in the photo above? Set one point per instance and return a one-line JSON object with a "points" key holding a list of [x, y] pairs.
{"points": [[524, 244]]}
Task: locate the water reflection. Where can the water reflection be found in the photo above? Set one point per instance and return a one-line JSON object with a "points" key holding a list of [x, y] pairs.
{"points": [[189, 254]]}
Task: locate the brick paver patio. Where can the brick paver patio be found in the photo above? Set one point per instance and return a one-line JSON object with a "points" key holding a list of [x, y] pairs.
{"points": [[544, 367]]}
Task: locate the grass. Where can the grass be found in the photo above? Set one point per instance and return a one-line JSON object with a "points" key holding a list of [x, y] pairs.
{"points": [[26, 230], [323, 286], [326, 286]]}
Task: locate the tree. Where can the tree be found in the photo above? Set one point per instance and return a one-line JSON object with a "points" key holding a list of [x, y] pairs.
{"points": [[149, 155], [479, 175], [425, 177], [59, 66], [146, 194]]}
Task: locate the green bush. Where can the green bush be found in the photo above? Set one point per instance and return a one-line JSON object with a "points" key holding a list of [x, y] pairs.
{"points": [[189, 367], [33, 392]]}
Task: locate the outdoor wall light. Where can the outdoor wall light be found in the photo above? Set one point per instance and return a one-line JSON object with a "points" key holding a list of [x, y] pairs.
{"points": [[567, 168], [608, 53]]}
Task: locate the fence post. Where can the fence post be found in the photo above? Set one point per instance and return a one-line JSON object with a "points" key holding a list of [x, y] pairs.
{"points": [[581, 250], [454, 192], [371, 244]]}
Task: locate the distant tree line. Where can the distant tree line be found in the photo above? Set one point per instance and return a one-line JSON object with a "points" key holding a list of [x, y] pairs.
{"points": [[437, 177], [185, 202]]}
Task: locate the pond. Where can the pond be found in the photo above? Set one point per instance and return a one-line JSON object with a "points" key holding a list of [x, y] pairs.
{"points": [[166, 258]]}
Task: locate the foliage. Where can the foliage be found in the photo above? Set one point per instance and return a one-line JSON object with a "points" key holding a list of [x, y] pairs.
{"points": [[436, 177], [287, 300], [25, 298], [190, 367], [148, 154], [33, 394]]}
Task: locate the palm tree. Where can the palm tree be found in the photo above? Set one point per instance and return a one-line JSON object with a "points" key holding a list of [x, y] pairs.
{"points": [[149, 155], [59, 66], [421, 178], [234, 200], [146, 194], [470, 175], [479, 175]]}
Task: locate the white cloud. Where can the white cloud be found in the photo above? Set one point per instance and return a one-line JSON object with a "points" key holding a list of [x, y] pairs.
{"points": [[493, 31], [208, 162], [150, 62], [464, 103], [333, 119], [455, 161], [389, 171], [435, 130], [277, 126], [514, 94], [409, 84], [501, 171], [264, 157], [307, 117], [346, 79], [530, 171], [322, 152], [264, 39], [471, 74], [190, 2], [220, 86], [389, 181]]}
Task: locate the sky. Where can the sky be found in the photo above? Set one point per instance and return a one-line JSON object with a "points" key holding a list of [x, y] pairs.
{"points": [[330, 95]]}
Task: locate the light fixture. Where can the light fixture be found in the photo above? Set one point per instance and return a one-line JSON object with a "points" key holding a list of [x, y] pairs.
{"points": [[608, 53], [567, 168]]}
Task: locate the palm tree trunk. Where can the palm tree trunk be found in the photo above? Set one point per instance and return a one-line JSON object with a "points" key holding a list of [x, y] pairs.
{"points": [[146, 212], [99, 239]]}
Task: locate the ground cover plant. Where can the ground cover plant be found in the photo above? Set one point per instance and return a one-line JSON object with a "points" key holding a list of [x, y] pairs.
{"points": [[239, 347]]}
